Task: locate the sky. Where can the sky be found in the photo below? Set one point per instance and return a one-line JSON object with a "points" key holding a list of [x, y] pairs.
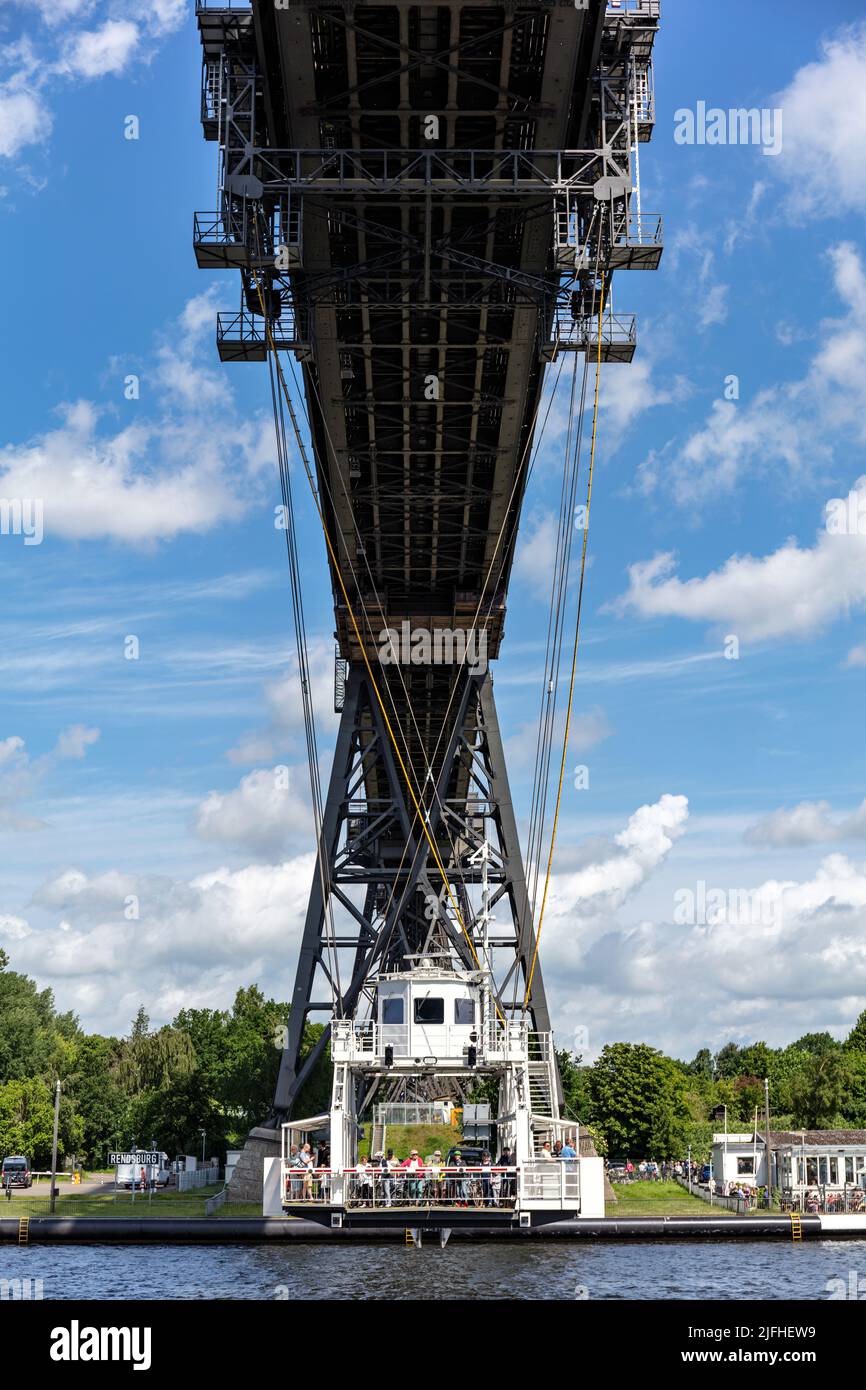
{"points": [[710, 881]]}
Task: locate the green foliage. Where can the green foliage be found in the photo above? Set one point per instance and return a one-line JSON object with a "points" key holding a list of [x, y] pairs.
{"points": [[856, 1039], [820, 1092], [637, 1097], [214, 1070]]}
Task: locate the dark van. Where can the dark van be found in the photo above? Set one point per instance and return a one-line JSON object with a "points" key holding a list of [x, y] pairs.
{"points": [[16, 1172]]}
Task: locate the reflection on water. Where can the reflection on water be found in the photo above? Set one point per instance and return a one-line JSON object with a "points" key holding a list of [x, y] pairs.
{"points": [[705, 1270]]}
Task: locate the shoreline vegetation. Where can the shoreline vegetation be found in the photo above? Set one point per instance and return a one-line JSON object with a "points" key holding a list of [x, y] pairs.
{"points": [[214, 1071]]}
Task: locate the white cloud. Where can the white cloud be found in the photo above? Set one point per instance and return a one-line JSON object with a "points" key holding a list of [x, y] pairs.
{"points": [[24, 120], [107, 50], [285, 708], [74, 741], [262, 814], [194, 944], [793, 591], [21, 775], [638, 849], [804, 945], [587, 729], [13, 929], [793, 427], [536, 552], [823, 156], [185, 465], [62, 48], [810, 823]]}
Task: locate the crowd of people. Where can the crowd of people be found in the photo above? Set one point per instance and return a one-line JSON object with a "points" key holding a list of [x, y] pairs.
{"points": [[385, 1180], [648, 1170]]}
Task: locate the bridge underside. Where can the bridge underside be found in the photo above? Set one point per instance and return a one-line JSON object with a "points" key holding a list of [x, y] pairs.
{"points": [[426, 204]]}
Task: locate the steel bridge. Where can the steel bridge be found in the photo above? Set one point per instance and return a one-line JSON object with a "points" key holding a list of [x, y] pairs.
{"points": [[427, 205]]}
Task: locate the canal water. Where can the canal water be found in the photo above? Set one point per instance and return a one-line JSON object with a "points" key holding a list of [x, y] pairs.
{"points": [[739, 1270]]}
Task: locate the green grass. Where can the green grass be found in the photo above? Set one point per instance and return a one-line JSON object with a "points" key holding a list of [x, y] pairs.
{"points": [[659, 1199], [404, 1138], [106, 1204]]}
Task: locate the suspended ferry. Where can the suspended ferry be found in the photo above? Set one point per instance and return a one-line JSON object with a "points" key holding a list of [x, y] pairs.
{"points": [[435, 1029]]}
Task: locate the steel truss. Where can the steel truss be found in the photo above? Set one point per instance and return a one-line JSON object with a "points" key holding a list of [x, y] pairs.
{"points": [[389, 898]]}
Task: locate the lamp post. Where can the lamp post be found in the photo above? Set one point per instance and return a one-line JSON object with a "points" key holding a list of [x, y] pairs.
{"points": [[54, 1147], [767, 1142]]}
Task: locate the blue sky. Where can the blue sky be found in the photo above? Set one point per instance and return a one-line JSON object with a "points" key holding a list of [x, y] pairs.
{"points": [[153, 777]]}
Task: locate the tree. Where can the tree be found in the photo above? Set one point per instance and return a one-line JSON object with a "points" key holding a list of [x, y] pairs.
{"points": [[820, 1092], [816, 1043], [702, 1064], [27, 1121], [33, 1038], [99, 1100], [727, 1062], [856, 1039], [638, 1101]]}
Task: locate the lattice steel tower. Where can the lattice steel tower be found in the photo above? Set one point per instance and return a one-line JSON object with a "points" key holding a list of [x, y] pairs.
{"points": [[426, 204]]}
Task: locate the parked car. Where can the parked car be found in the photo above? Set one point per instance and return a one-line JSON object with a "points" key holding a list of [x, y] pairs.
{"points": [[706, 1173], [617, 1172], [471, 1154], [16, 1172]]}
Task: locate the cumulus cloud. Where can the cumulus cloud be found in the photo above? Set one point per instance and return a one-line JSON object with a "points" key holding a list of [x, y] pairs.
{"points": [[262, 814], [107, 49], [809, 823], [186, 464], [71, 41], [823, 156], [794, 427], [24, 120], [193, 943], [792, 592], [74, 741], [637, 850], [804, 942]]}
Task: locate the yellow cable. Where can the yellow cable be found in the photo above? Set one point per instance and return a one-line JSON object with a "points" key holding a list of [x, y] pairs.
{"points": [[422, 815], [573, 654]]}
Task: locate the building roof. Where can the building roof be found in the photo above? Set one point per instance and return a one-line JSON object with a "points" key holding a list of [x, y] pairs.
{"points": [[831, 1138]]}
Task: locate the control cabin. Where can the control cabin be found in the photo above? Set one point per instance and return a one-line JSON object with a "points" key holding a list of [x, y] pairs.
{"points": [[441, 1029]]}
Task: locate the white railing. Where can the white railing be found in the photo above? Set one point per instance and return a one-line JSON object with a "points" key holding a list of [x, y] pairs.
{"points": [[428, 1186], [553, 1182], [368, 1041]]}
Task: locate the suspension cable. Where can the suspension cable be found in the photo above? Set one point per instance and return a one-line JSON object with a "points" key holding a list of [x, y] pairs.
{"points": [[574, 649]]}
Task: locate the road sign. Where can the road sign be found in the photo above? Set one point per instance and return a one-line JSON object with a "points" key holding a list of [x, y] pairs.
{"points": [[142, 1156]]}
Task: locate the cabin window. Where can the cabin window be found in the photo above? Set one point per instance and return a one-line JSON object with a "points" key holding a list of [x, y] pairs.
{"points": [[849, 1170], [834, 1172], [745, 1166], [392, 1009], [464, 1011], [429, 1010], [811, 1170]]}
